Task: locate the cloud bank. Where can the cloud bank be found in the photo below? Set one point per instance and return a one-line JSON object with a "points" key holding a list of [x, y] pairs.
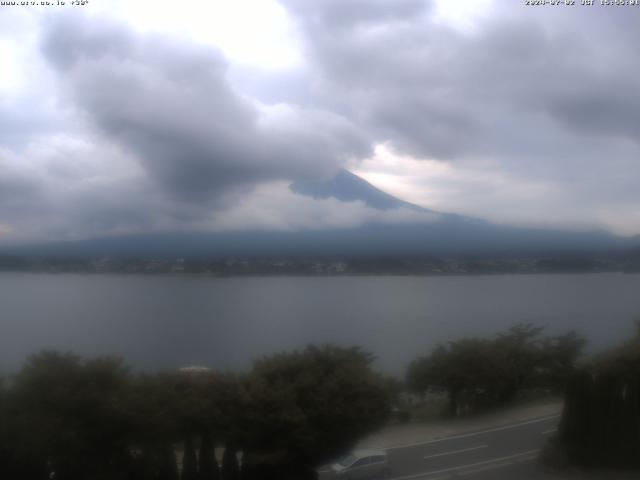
{"points": [[526, 115]]}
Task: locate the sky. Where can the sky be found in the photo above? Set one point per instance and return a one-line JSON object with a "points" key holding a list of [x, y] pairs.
{"points": [[131, 116]]}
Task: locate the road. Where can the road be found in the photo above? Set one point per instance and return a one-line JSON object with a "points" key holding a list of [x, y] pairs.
{"points": [[474, 454], [508, 452]]}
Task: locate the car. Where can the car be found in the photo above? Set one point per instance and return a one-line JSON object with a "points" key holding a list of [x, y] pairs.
{"points": [[361, 464]]}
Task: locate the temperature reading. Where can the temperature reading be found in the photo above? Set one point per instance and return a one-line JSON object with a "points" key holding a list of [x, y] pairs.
{"points": [[42, 3]]}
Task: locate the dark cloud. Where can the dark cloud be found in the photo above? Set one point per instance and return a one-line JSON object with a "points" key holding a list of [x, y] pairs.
{"points": [[435, 91], [120, 131], [69, 40], [170, 103], [534, 94], [22, 195], [140, 133], [16, 191], [338, 14]]}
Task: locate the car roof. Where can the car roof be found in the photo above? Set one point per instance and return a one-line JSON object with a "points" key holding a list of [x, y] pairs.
{"points": [[368, 453]]}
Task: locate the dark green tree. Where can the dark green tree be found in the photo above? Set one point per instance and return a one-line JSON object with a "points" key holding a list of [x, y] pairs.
{"points": [[479, 373], [307, 407], [519, 353], [189, 461], [600, 424], [230, 467], [78, 409], [560, 356], [166, 467], [153, 409], [207, 463], [226, 409], [464, 369]]}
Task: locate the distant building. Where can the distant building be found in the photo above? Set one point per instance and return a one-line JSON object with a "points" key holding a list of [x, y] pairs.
{"points": [[195, 370]]}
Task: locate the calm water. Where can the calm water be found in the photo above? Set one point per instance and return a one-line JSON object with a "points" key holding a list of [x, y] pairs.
{"points": [[167, 322]]}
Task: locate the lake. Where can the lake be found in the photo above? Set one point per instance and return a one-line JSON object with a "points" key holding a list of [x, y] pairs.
{"points": [[163, 322]]}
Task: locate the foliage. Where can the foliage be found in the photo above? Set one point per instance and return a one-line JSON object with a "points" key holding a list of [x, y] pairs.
{"points": [[230, 467], [476, 372], [310, 406], [207, 464], [166, 467], [601, 421], [94, 420], [189, 461], [78, 410], [559, 356]]}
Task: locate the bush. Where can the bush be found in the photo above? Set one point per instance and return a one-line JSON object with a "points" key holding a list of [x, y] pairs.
{"points": [[600, 425]]}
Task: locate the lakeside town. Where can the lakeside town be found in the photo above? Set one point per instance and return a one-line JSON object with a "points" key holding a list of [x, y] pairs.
{"points": [[397, 265]]}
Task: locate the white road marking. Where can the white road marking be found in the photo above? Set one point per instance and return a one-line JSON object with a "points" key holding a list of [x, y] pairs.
{"points": [[550, 431], [496, 466], [453, 452], [473, 434], [501, 461], [485, 468]]}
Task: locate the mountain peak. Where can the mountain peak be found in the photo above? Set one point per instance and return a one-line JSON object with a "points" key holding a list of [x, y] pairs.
{"points": [[348, 187]]}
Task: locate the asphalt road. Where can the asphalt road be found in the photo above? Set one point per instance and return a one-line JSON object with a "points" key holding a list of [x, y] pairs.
{"points": [[508, 452]]}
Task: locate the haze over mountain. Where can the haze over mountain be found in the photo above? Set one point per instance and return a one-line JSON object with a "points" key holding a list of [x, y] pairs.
{"points": [[347, 187], [136, 118], [433, 233]]}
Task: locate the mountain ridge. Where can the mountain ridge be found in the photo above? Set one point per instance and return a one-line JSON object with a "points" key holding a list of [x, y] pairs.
{"points": [[347, 187], [449, 234]]}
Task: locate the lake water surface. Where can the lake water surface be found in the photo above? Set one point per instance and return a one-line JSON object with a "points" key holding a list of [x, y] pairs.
{"points": [[158, 322]]}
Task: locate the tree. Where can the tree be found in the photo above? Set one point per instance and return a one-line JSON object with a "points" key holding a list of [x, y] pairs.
{"points": [[469, 370], [226, 408], [96, 421], [560, 356], [167, 469], [519, 354], [478, 372], [600, 425], [230, 467], [207, 464], [153, 410], [4, 427], [14, 464], [307, 407], [189, 461], [78, 409]]}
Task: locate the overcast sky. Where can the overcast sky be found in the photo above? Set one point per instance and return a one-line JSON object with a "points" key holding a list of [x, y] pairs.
{"points": [[131, 116]]}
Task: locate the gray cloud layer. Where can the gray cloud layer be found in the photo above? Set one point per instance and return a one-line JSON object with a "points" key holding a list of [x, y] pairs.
{"points": [[539, 95], [132, 132], [146, 133], [172, 106], [437, 92]]}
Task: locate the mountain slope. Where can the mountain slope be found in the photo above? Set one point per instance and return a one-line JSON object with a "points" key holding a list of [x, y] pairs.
{"points": [[347, 187], [448, 234]]}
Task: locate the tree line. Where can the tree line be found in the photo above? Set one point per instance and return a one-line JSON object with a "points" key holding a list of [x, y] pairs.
{"points": [[480, 373], [600, 424], [68, 418]]}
